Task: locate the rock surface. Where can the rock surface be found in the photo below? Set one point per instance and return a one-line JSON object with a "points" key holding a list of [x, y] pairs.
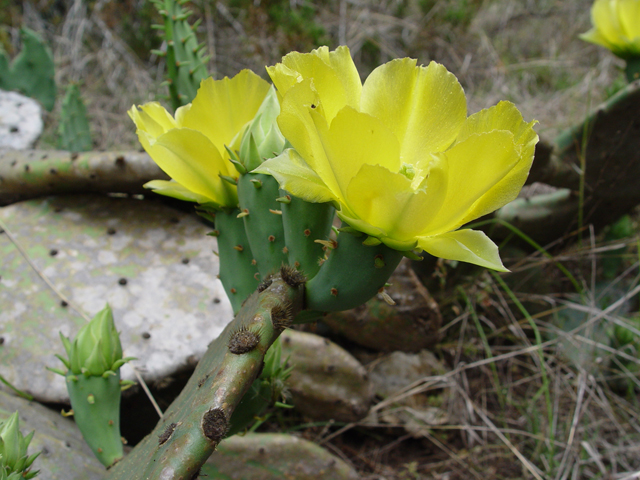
{"points": [[65, 455], [20, 122], [151, 263], [327, 382], [274, 456]]}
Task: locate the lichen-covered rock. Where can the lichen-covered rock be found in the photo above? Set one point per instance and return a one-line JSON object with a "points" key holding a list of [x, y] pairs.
{"points": [[327, 382], [274, 456], [65, 455], [20, 122], [151, 263], [409, 326]]}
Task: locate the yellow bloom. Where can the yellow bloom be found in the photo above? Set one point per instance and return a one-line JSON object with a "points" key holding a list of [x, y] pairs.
{"points": [[190, 147], [616, 26], [398, 155]]}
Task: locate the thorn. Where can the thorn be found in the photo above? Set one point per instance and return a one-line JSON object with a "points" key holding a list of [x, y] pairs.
{"points": [[286, 199], [271, 238], [307, 232], [244, 213], [276, 212], [330, 244], [256, 183], [372, 241], [385, 296], [227, 178], [334, 292], [239, 248], [378, 261]]}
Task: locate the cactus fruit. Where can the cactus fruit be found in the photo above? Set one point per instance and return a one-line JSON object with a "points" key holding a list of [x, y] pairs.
{"points": [[334, 288], [73, 131], [32, 71], [200, 417], [93, 383], [238, 272], [15, 463], [186, 63]]}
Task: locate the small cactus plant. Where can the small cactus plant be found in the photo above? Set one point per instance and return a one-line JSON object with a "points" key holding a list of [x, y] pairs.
{"points": [[94, 385], [73, 129], [15, 462]]}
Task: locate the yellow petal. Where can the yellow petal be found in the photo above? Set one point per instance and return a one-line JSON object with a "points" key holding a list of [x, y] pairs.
{"points": [[504, 116], [222, 108], [629, 18], [353, 140], [189, 158], [175, 190], [296, 177], [469, 246], [152, 118], [475, 166], [425, 107], [334, 76]]}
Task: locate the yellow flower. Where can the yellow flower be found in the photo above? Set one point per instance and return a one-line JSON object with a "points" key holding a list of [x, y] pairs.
{"points": [[190, 147], [616, 26], [398, 155]]}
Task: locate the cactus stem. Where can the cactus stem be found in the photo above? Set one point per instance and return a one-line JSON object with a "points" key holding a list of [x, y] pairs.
{"points": [[276, 212], [286, 199], [243, 213]]}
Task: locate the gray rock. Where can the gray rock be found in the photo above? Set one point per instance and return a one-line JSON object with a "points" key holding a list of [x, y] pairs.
{"points": [[20, 121], [327, 382], [65, 455], [151, 263], [391, 375], [274, 456]]}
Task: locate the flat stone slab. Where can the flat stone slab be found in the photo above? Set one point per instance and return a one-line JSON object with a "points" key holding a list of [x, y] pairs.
{"points": [[153, 264], [65, 455]]}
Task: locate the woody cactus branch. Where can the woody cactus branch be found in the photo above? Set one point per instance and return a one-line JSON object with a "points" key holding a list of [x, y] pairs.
{"points": [[200, 417]]}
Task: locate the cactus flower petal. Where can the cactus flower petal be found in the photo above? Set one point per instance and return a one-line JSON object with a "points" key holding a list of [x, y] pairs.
{"points": [[175, 190], [403, 162], [616, 26], [466, 245]]}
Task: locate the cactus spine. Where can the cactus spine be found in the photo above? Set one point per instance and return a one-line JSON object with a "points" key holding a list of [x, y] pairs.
{"points": [[73, 131], [200, 417]]}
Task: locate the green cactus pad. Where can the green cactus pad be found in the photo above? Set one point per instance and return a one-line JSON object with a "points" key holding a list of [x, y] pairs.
{"points": [[198, 419], [304, 223], [257, 194], [238, 273], [337, 286], [96, 410], [73, 130]]}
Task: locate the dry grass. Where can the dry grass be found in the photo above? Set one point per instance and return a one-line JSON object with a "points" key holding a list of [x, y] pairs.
{"points": [[517, 406]]}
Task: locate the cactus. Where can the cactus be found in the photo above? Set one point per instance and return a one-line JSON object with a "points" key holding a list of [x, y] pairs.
{"points": [[73, 130], [200, 417], [238, 271], [186, 63], [15, 463], [93, 382], [32, 71]]}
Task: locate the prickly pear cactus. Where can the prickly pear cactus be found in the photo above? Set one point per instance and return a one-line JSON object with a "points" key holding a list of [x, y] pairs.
{"points": [[186, 63], [32, 71], [73, 130], [201, 416]]}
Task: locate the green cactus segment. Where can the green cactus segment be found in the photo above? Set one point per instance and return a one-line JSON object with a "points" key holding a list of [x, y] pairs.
{"points": [[198, 419], [15, 462], [186, 63], [32, 71], [264, 392], [632, 69], [238, 272], [96, 409], [335, 288], [263, 221], [73, 131], [304, 223]]}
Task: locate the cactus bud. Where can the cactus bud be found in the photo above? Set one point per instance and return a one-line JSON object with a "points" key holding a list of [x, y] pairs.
{"points": [[14, 461]]}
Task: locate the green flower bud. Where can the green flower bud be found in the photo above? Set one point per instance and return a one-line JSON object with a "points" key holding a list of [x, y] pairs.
{"points": [[96, 350], [14, 460], [262, 138]]}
